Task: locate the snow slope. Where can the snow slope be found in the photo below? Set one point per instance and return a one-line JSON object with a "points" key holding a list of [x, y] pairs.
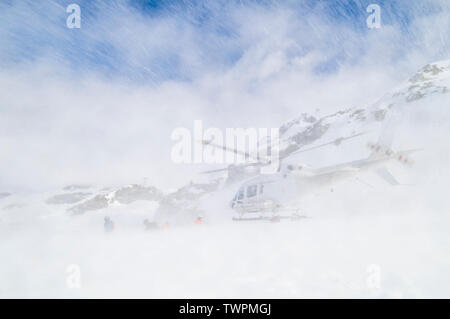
{"points": [[365, 239]]}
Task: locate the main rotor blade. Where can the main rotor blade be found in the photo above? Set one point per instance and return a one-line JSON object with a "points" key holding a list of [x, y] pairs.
{"points": [[228, 168], [215, 171], [227, 149], [335, 142]]}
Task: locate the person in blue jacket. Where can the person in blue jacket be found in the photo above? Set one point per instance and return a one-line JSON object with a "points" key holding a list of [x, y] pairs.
{"points": [[109, 224]]}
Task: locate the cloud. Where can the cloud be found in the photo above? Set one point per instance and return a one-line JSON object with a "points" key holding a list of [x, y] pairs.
{"points": [[99, 103]]}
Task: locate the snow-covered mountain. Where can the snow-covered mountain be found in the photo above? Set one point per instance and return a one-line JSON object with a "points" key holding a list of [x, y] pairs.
{"points": [[433, 80], [81, 199]]}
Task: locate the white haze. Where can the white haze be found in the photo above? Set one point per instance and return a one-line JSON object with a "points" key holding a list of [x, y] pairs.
{"points": [[81, 125], [61, 125]]}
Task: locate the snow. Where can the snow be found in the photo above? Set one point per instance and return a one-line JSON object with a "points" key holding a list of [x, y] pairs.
{"points": [[319, 257], [364, 239]]}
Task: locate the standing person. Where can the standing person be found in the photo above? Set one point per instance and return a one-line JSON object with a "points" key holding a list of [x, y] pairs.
{"points": [[149, 225], [199, 220], [109, 224]]}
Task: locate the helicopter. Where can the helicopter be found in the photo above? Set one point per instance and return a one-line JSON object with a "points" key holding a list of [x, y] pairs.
{"points": [[278, 196]]}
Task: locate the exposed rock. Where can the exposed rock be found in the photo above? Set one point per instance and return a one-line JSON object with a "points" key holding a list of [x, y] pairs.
{"points": [[379, 115], [75, 187], [310, 134], [415, 96], [428, 72], [359, 114], [124, 195], [131, 193], [304, 135], [303, 118], [3, 195], [98, 202], [13, 206], [70, 198], [183, 202]]}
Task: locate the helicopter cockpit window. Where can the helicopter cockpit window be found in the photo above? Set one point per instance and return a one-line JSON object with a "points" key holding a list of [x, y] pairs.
{"points": [[240, 194], [252, 190]]}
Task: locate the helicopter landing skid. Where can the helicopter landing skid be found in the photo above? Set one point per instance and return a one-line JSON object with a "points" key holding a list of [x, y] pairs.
{"points": [[273, 219]]}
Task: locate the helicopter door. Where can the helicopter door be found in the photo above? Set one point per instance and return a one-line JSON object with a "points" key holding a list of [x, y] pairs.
{"points": [[251, 193], [240, 195]]}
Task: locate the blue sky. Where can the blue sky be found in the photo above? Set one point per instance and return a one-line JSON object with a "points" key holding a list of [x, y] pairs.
{"points": [[211, 32], [100, 103]]}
